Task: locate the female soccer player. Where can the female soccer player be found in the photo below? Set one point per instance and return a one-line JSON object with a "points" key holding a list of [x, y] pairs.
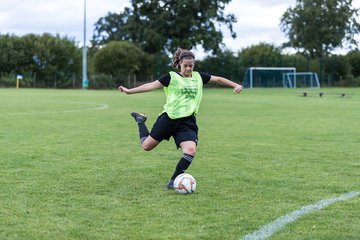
{"points": [[183, 90]]}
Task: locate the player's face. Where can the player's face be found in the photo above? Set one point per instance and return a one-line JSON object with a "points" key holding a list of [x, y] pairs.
{"points": [[187, 66]]}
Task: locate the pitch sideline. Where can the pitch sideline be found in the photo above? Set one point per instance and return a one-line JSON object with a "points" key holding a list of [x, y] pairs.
{"points": [[268, 230]]}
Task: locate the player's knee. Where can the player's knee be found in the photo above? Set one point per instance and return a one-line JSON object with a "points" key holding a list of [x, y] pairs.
{"points": [[190, 151], [149, 143], [147, 147]]}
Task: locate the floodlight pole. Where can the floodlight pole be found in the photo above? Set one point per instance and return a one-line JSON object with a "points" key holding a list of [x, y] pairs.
{"points": [[85, 81]]}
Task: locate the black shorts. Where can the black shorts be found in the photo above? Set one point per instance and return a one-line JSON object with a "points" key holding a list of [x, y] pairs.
{"points": [[181, 129]]}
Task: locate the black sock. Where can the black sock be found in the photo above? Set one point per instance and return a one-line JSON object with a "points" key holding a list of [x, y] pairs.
{"points": [[182, 165], [143, 132]]}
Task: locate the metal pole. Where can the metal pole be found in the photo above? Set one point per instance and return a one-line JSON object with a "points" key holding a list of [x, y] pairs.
{"points": [[85, 81], [251, 77]]}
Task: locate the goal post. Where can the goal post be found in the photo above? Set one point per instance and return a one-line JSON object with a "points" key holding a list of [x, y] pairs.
{"points": [[303, 79], [268, 77]]}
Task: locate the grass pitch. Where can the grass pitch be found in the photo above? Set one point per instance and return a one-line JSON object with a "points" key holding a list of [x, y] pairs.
{"points": [[72, 167]]}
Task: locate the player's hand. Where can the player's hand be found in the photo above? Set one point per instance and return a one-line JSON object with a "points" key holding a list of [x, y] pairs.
{"points": [[124, 89], [238, 88]]}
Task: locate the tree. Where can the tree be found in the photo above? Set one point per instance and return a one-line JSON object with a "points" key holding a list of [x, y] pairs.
{"points": [[45, 58], [261, 55], [52, 59], [118, 58], [224, 64], [12, 57], [354, 60], [298, 61], [164, 25], [336, 67], [317, 27]]}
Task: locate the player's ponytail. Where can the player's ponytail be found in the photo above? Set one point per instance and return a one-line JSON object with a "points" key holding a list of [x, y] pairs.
{"points": [[179, 55]]}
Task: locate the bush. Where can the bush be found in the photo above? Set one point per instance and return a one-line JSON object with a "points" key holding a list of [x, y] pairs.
{"points": [[8, 80], [118, 58], [349, 81]]}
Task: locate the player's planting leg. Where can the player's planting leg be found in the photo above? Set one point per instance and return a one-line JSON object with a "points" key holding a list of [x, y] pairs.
{"points": [[140, 120], [181, 167], [170, 184]]}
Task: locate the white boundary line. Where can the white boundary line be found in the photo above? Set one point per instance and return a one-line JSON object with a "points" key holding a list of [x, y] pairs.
{"points": [[99, 107], [267, 230]]}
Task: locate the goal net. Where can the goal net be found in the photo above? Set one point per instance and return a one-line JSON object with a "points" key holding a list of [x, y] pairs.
{"points": [[268, 77], [303, 80]]}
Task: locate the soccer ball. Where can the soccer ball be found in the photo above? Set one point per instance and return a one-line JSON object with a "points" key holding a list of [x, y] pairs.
{"points": [[184, 184]]}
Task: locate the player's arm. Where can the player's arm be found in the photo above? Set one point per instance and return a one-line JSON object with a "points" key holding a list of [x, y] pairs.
{"points": [[226, 82], [142, 88]]}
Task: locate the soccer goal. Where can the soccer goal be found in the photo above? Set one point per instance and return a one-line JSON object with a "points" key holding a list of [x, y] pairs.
{"points": [[303, 80], [268, 77]]}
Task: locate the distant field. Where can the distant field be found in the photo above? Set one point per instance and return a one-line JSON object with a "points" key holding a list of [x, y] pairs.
{"points": [[72, 167]]}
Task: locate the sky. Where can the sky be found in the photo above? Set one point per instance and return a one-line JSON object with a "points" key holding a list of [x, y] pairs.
{"points": [[258, 21]]}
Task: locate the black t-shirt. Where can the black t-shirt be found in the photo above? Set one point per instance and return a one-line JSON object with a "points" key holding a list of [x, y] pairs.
{"points": [[165, 80]]}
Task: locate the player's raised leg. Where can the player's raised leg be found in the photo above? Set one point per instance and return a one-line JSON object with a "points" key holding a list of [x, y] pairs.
{"points": [[147, 142]]}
